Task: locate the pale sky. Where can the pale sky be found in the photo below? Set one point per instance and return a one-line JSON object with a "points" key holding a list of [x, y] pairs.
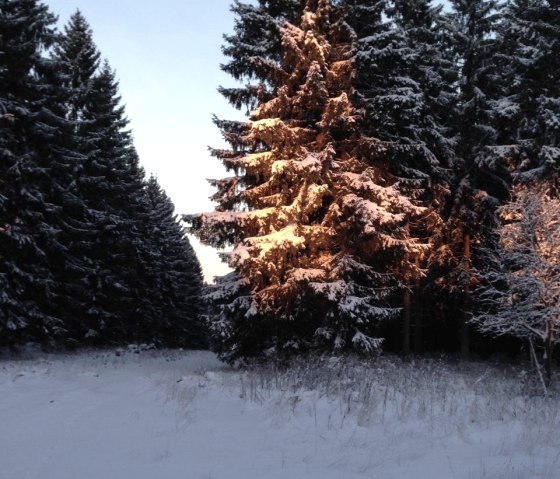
{"points": [[167, 56]]}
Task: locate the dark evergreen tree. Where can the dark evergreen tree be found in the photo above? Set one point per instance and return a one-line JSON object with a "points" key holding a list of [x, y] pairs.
{"points": [[472, 27], [88, 250], [112, 187], [255, 49], [174, 278], [520, 283], [318, 226], [79, 58], [417, 105], [403, 85], [125, 298], [506, 79], [39, 206], [111, 184], [475, 189], [527, 102]]}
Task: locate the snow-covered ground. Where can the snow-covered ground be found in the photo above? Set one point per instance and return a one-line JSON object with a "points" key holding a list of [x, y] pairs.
{"points": [[167, 415]]}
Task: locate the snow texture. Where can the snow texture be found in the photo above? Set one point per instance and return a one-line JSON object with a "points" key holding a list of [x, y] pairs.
{"points": [[146, 414]]}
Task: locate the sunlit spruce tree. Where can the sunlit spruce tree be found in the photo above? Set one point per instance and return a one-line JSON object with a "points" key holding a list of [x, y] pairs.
{"points": [[316, 224]]}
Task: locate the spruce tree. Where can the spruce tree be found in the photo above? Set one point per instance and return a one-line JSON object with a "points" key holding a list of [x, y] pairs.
{"points": [[520, 284], [316, 224], [505, 120], [525, 159], [83, 258], [80, 60], [39, 205], [128, 296], [112, 187], [254, 49], [402, 84], [527, 106], [174, 277], [102, 143], [476, 190], [419, 105]]}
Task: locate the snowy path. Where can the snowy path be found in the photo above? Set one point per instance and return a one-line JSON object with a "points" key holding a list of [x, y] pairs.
{"points": [[167, 416]]}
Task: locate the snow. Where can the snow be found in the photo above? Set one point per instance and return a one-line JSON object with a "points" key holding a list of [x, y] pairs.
{"points": [[284, 240], [307, 274], [147, 414], [253, 160]]}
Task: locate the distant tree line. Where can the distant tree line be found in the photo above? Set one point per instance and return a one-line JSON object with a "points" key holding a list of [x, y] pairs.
{"points": [[91, 253], [379, 189]]}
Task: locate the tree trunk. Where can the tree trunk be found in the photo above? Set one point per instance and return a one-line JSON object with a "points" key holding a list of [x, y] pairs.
{"points": [[406, 324], [548, 348], [535, 362], [418, 339], [464, 337]]}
